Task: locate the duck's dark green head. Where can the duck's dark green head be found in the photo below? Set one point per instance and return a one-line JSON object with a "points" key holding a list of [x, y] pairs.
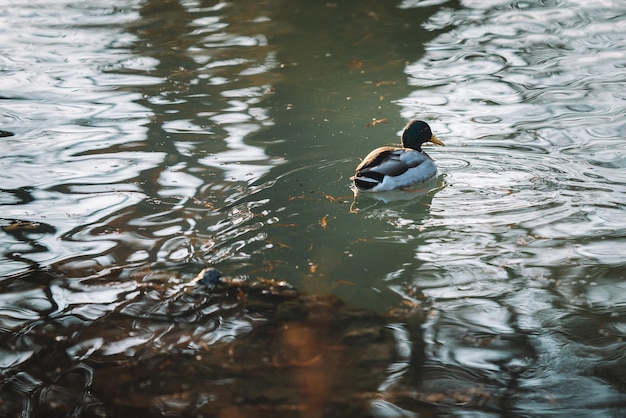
{"points": [[417, 132]]}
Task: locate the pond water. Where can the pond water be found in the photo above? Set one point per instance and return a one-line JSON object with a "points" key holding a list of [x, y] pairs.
{"points": [[145, 140]]}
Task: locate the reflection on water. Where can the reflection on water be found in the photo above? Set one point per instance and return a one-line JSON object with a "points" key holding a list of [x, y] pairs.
{"points": [[529, 228], [142, 141]]}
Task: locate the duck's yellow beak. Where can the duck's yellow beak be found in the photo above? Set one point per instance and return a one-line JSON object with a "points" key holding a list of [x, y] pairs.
{"points": [[436, 141]]}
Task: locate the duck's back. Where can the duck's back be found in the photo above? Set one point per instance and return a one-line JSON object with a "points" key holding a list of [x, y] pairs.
{"points": [[389, 168]]}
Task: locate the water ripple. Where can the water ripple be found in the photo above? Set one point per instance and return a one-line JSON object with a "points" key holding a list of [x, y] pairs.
{"points": [[531, 213], [143, 141], [119, 133]]}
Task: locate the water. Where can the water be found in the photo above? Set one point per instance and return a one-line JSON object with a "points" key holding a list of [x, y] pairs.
{"points": [[151, 139]]}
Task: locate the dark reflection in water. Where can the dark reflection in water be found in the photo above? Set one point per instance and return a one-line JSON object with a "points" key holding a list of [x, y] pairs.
{"points": [[235, 348], [143, 141]]}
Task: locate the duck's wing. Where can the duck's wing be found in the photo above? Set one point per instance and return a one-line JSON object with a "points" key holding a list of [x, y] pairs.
{"points": [[378, 164], [390, 161], [386, 162]]}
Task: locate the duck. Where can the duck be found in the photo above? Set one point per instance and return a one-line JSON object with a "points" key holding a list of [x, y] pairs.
{"points": [[392, 168]]}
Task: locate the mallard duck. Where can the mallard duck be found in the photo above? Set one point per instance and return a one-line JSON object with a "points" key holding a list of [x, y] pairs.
{"points": [[390, 168]]}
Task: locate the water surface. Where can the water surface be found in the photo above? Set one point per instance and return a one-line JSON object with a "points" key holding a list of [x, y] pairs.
{"points": [[152, 139]]}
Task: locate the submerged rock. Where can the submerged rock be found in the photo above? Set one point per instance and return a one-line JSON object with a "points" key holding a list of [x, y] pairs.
{"points": [[209, 277]]}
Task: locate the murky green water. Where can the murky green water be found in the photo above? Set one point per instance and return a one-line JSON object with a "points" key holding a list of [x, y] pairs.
{"points": [[144, 140]]}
